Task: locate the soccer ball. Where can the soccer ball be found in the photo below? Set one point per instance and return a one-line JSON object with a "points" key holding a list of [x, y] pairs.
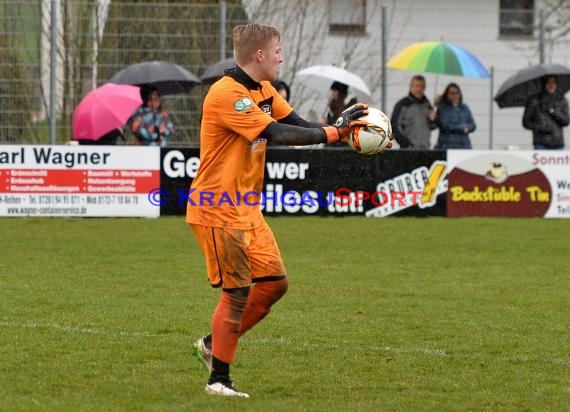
{"points": [[374, 137]]}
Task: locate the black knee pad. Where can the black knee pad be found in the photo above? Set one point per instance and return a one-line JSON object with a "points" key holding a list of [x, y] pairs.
{"points": [[239, 291]]}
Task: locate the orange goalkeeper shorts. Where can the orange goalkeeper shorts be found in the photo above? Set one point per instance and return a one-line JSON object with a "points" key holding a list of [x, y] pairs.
{"points": [[237, 258]]}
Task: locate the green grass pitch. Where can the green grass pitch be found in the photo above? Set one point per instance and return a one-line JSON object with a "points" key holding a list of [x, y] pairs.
{"points": [[396, 314]]}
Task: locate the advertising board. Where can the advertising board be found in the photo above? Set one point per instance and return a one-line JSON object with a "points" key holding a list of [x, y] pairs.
{"points": [[509, 183], [78, 180]]}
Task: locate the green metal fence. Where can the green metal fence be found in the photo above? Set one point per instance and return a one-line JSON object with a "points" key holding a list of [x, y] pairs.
{"points": [[94, 40]]}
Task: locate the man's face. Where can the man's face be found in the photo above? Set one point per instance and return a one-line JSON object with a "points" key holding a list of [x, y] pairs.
{"points": [[551, 84], [417, 88], [272, 60]]}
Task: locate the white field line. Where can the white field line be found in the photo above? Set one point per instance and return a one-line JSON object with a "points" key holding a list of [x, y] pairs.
{"points": [[288, 342], [72, 329], [426, 351]]}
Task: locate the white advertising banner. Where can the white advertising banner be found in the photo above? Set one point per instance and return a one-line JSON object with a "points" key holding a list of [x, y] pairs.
{"points": [[508, 183], [79, 180]]}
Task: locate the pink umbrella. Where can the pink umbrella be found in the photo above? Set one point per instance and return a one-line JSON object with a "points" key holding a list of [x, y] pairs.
{"points": [[104, 109]]}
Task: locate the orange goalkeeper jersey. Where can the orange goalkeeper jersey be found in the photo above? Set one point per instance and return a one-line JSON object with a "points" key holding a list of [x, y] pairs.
{"points": [[227, 189]]}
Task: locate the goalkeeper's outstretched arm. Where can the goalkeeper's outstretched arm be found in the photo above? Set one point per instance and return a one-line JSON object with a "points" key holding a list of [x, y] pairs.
{"points": [[302, 133]]}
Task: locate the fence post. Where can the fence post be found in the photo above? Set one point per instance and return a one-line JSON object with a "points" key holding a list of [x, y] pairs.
{"points": [[222, 30], [541, 37], [383, 59], [52, 73], [491, 107]]}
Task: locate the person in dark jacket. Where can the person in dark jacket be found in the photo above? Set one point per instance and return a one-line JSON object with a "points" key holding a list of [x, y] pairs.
{"points": [[339, 101], [454, 120], [546, 114], [413, 117]]}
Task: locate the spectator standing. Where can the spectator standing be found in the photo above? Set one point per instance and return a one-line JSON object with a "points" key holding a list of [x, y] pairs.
{"points": [[413, 117], [150, 123], [546, 114], [454, 120], [339, 101]]}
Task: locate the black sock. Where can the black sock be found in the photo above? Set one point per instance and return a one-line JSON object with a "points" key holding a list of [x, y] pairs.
{"points": [[220, 371], [208, 341]]}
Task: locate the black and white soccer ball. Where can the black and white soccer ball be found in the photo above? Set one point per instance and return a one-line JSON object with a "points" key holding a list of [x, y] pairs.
{"points": [[375, 136]]}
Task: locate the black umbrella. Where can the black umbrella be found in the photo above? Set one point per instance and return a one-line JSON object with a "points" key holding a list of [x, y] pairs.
{"points": [[216, 70], [527, 82], [169, 78]]}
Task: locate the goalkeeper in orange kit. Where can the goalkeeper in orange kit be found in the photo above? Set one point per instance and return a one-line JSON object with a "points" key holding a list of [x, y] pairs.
{"points": [[242, 112]]}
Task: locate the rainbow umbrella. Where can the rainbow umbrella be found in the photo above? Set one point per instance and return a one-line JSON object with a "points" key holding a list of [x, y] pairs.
{"points": [[438, 57]]}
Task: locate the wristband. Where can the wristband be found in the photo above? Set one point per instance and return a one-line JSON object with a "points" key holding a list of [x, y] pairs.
{"points": [[332, 134]]}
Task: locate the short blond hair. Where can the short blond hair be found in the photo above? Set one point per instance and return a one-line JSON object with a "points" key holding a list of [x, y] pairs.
{"points": [[249, 38]]}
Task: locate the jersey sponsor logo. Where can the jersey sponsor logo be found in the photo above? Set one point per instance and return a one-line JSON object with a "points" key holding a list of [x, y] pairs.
{"points": [[266, 105], [243, 104], [258, 140], [258, 145], [266, 109]]}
